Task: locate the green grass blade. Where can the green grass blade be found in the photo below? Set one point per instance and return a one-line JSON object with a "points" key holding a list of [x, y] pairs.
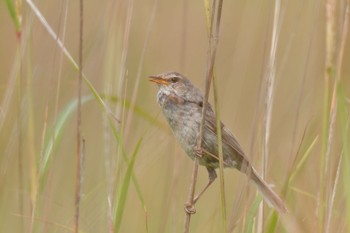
{"points": [[53, 139], [133, 177], [302, 161], [272, 222], [125, 187], [252, 213], [51, 143], [13, 13], [273, 218]]}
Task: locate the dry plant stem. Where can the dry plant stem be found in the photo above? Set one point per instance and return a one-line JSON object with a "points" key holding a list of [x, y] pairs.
{"points": [[205, 105], [270, 83], [333, 106], [191, 194], [330, 50], [20, 133], [195, 165], [270, 80], [79, 145], [209, 75], [327, 122]]}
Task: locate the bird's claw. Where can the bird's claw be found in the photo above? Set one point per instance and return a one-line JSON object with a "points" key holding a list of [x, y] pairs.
{"points": [[198, 151], [189, 208]]}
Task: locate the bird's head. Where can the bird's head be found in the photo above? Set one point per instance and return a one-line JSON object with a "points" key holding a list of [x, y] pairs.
{"points": [[172, 82]]}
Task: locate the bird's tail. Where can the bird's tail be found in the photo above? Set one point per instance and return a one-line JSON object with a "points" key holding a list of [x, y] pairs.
{"points": [[272, 199]]}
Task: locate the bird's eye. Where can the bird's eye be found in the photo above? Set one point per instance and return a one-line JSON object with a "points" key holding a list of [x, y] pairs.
{"points": [[174, 79]]}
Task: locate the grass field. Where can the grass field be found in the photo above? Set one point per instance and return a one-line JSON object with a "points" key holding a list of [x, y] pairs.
{"points": [[282, 73]]}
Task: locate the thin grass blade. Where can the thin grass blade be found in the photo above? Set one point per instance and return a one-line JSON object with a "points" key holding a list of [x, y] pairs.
{"points": [[125, 188]]}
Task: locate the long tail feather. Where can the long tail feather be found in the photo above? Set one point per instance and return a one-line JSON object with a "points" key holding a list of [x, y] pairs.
{"points": [[272, 199]]}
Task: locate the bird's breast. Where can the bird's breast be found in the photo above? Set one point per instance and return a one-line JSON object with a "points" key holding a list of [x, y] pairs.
{"points": [[183, 117]]}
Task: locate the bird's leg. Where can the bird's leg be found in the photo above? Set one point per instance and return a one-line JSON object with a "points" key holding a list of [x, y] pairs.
{"points": [[212, 177], [189, 207]]}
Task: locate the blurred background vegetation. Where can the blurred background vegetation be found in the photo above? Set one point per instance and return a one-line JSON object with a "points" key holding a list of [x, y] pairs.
{"points": [[135, 177]]}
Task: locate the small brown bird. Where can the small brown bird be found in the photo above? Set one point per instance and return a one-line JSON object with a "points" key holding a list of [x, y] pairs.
{"points": [[182, 103]]}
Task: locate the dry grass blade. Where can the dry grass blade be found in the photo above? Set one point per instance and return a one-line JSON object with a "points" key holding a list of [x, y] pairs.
{"points": [[270, 85], [139, 70], [80, 154]]}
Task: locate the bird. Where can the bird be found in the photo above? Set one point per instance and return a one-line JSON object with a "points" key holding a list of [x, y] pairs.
{"points": [[182, 104]]}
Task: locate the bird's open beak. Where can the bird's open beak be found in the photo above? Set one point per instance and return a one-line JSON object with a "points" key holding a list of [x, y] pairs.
{"points": [[158, 80]]}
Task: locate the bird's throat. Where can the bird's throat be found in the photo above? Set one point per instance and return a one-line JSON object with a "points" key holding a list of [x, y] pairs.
{"points": [[165, 98]]}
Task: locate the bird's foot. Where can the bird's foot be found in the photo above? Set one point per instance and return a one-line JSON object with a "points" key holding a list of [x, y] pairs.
{"points": [[198, 151], [189, 208]]}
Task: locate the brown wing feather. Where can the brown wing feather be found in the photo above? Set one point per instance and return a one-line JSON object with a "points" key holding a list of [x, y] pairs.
{"points": [[227, 138]]}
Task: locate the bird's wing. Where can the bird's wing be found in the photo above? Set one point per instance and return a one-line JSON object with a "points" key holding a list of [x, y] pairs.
{"points": [[227, 136]]}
